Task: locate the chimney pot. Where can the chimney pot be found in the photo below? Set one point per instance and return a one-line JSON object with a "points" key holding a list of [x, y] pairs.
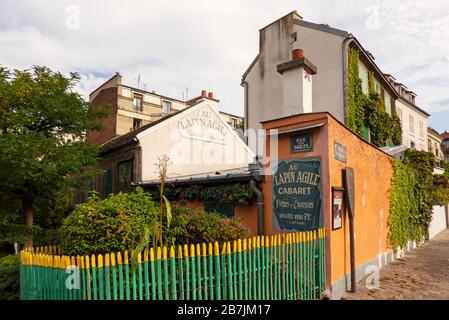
{"points": [[203, 93], [297, 53], [211, 95]]}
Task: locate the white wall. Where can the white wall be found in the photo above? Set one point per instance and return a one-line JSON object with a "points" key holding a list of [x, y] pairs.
{"points": [[438, 222], [197, 141], [265, 92]]}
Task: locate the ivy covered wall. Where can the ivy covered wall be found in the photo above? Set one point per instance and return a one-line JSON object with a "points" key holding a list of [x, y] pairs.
{"points": [[369, 110], [239, 193], [412, 196]]}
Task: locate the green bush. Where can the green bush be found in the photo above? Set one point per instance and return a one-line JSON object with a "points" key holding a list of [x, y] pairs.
{"points": [[9, 278], [194, 226], [122, 221], [113, 224]]}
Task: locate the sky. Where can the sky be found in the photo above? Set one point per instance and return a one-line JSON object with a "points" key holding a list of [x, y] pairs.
{"points": [[181, 47]]}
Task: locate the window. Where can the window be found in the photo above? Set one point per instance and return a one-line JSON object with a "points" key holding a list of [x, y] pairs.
{"points": [[87, 188], [377, 87], [125, 175], [429, 142], [437, 152], [412, 145], [399, 113], [226, 209], [137, 102], [446, 159], [446, 144], [363, 75], [106, 182], [421, 129], [234, 123], [387, 104], [411, 123], [137, 123], [166, 106]]}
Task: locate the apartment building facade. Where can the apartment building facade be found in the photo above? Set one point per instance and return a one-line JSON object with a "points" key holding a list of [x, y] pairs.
{"points": [[327, 49], [413, 118], [131, 108], [435, 143], [445, 146]]}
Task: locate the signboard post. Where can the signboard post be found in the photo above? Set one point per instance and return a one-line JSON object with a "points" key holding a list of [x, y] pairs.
{"points": [[350, 202], [297, 194]]}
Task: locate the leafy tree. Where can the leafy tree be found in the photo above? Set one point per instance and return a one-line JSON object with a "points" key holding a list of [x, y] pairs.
{"points": [[42, 126]]}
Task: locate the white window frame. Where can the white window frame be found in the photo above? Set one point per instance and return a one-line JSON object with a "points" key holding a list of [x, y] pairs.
{"points": [[411, 123], [166, 103]]}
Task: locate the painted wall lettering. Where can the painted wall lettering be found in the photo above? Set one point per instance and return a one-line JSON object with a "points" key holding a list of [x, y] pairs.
{"points": [[297, 194]]}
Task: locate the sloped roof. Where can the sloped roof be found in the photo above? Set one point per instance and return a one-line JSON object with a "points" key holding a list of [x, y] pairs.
{"points": [[322, 27], [130, 137], [444, 135]]}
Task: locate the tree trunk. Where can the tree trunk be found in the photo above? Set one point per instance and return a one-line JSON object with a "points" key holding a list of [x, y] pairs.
{"points": [[28, 213]]}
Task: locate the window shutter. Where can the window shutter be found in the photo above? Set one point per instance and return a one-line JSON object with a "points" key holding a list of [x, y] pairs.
{"points": [[106, 183], [225, 209]]}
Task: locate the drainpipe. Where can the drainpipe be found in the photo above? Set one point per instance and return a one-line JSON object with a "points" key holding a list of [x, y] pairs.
{"points": [[245, 86], [255, 169]]}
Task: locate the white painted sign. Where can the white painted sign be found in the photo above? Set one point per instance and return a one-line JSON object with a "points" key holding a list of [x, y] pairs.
{"points": [[204, 126]]}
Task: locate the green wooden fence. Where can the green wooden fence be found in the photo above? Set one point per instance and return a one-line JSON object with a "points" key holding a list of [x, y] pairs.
{"points": [[287, 266]]}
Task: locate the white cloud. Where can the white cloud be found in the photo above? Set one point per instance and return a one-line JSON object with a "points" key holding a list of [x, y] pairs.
{"points": [[209, 44]]}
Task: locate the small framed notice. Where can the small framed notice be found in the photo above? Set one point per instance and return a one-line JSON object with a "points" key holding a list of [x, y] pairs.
{"points": [[337, 207], [301, 143]]}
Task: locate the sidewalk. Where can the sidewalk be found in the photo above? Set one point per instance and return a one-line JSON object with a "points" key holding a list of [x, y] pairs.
{"points": [[422, 274]]}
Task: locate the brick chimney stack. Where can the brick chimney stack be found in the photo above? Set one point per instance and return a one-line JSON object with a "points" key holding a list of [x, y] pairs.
{"points": [[211, 95], [203, 93], [297, 53]]}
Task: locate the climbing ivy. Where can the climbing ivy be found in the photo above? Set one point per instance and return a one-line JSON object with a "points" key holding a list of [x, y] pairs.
{"points": [[236, 193], [369, 109], [355, 94], [411, 198]]}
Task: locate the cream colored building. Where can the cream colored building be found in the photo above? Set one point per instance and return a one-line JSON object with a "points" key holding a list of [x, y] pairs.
{"points": [[234, 121], [434, 143], [131, 108], [413, 118]]}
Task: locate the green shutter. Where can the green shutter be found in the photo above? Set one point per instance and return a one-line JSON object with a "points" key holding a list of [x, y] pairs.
{"points": [[125, 175], [88, 187], [106, 183], [226, 209], [365, 130]]}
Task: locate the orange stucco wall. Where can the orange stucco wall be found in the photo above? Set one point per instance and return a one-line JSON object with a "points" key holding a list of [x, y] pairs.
{"points": [[372, 170]]}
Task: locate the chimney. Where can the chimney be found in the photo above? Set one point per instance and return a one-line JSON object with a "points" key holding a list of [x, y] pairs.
{"points": [[297, 53], [297, 84], [203, 93], [118, 78], [211, 95]]}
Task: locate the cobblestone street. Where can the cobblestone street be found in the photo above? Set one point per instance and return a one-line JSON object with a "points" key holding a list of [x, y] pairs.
{"points": [[422, 274]]}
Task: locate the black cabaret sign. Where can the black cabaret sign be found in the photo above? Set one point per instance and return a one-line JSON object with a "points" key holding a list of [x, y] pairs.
{"points": [[297, 194]]}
